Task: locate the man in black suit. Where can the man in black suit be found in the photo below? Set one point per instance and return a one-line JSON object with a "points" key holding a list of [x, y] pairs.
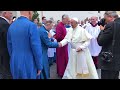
{"points": [[5, 17], [110, 70]]}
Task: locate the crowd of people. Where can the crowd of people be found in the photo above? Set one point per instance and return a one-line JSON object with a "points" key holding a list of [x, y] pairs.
{"points": [[29, 48]]}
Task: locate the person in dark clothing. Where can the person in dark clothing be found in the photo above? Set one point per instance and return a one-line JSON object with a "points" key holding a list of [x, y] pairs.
{"points": [[5, 17], [102, 22], [110, 70]]}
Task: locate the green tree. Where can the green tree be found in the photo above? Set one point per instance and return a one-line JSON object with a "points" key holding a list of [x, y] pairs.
{"points": [[35, 16]]}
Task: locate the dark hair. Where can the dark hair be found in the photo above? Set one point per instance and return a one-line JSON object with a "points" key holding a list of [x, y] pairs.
{"points": [[14, 17], [35, 18], [43, 18], [58, 21]]}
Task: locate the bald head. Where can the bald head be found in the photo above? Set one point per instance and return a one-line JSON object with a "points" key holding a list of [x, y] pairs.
{"points": [[22, 12], [94, 19], [27, 14]]}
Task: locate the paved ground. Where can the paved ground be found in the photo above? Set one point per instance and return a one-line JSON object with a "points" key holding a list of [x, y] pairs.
{"points": [[53, 72]]}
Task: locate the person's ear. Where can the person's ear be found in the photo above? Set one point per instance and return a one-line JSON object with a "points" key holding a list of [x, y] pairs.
{"points": [[4, 13], [29, 13]]}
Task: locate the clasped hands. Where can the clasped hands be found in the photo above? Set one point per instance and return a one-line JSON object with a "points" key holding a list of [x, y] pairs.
{"points": [[60, 45], [77, 50]]}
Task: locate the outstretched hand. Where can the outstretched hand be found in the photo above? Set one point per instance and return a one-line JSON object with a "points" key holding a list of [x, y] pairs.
{"points": [[60, 45]]}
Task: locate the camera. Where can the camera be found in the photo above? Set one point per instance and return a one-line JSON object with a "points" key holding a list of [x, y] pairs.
{"points": [[107, 56], [102, 22]]}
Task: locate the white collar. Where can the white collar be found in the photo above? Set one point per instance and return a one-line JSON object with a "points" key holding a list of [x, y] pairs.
{"points": [[5, 19]]}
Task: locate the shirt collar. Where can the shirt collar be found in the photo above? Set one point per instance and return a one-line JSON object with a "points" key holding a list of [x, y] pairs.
{"points": [[5, 19]]}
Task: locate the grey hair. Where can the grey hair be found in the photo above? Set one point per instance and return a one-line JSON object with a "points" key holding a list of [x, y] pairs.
{"points": [[1, 12], [64, 16], [111, 13]]}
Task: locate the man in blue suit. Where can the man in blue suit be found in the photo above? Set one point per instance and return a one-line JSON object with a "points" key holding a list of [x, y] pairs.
{"points": [[24, 48], [46, 43]]}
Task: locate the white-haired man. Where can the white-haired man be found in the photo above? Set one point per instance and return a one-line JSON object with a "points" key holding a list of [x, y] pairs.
{"points": [[80, 64], [94, 48]]}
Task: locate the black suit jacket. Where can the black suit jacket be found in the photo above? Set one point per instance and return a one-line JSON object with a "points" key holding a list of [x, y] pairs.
{"points": [[4, 55], [105, 39], [4, 25]]}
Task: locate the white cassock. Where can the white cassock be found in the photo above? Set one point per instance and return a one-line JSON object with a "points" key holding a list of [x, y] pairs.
{"points": [[94, 47], [80, 64], [69, 45]]}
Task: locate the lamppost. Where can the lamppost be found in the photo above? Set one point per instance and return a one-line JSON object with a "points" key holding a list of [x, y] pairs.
{"points": [[99, 14]]}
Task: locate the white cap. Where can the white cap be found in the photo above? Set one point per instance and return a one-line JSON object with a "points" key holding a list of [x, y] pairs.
{"points": [[76, 19]]}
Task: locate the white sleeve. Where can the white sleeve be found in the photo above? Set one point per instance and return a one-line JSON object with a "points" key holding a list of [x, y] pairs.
{"points": [[67, 38], [64, 42], [87, 42]]}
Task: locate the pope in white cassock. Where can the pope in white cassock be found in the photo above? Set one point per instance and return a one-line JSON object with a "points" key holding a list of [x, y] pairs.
{"points": [[80, 64]]}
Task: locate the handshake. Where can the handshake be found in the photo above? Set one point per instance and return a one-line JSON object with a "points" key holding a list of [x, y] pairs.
{"points": [[60, 45]]}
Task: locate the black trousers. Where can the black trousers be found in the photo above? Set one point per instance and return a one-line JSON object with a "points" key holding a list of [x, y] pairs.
{"points": [[107, 74], [5, 67]]}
